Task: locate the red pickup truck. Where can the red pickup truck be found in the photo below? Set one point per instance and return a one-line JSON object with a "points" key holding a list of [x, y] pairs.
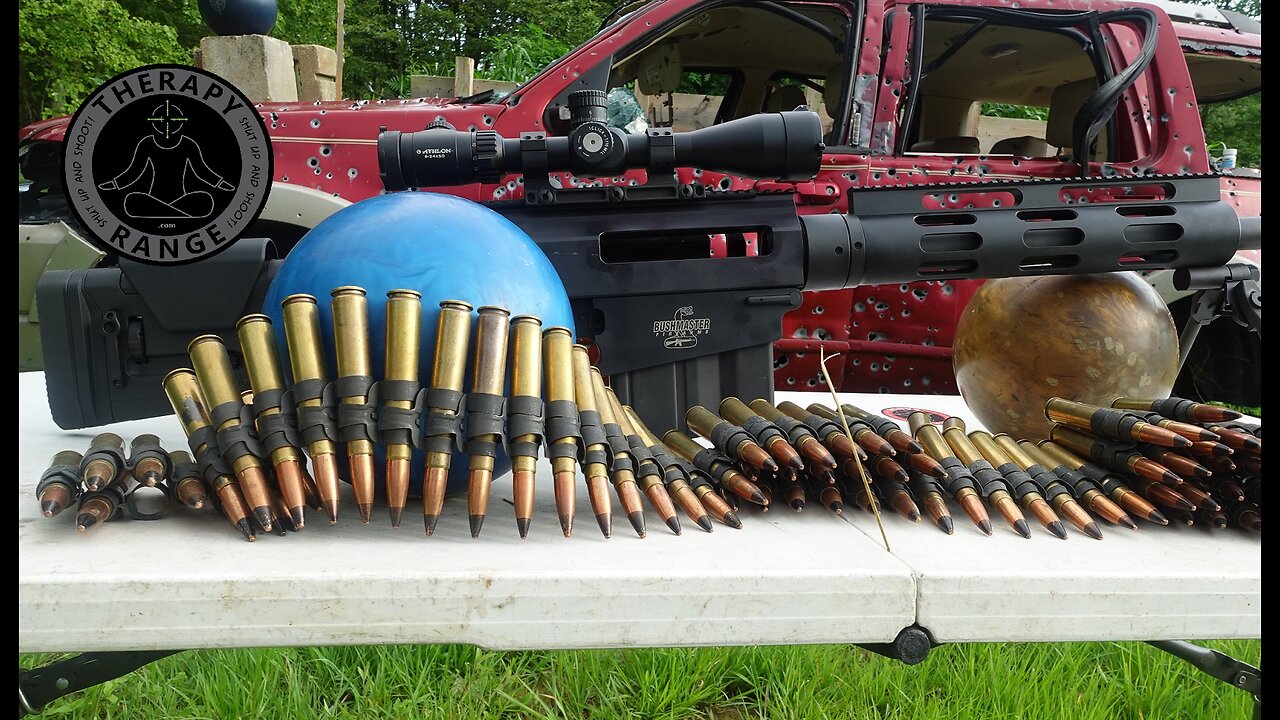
{"points": [[900, 87]]}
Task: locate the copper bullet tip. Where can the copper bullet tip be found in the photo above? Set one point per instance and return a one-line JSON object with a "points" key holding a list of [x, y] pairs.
{"points": [[366, 512], [331, 508], [1093, 531], [947, 524], [566, 525], [429, 523], [1056, 528], [704, 522], [637, 521], [299, 519], [522, 524], [246, 529], [477, 522], [605, 521], [1021, 527], [985, 527], [262, 514]]}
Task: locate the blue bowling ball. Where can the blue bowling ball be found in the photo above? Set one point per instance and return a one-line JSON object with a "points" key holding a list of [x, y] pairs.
{"points": [[239, 17], [445, 248]]}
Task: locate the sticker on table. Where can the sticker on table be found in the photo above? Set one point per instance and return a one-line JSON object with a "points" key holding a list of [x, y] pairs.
{"points": [[902, 412]]}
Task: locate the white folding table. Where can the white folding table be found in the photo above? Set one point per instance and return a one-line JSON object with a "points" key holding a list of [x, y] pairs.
{"points": [[191, 581]]}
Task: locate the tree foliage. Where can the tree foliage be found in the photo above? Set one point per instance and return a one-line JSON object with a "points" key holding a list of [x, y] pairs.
{"points": [[66, 48]]}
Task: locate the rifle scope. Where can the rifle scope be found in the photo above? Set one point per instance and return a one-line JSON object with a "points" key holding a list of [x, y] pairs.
{"points": [[784, 145]]}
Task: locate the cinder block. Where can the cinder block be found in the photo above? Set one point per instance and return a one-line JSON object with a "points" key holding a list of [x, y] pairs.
{"points": [[316, 67], [261, 66]]}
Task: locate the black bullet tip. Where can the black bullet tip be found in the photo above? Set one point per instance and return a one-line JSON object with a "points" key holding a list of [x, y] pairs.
{"points": [[477, 522], [1058, 531], [1023, 530], [262, 514], [948, 526], [50, 508], [429, 523], [732, 520], [1093, 531], [299, 520], [246, 529], [704, 522], [522, 524], [673, 522], [985, 527], [637, 521], [1128, 522], [605, 521], [566, 524]]}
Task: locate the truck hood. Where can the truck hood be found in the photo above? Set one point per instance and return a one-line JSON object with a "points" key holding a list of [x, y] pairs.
{"points": [[370, 114]]}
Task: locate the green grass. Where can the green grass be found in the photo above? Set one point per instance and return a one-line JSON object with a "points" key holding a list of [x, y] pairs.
{"points": [[1079, 681]]}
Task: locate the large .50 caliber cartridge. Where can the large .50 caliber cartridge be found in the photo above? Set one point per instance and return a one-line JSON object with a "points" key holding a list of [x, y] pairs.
{"points": [[1026, 489], [185, 484], [623, 465], [183, 391], [444, 405], [563, 423], [356, 428], [648, 471], [59, 485], [957, 478], [766, 433], [596, 454], [673, 473], [990, 482], [398, 423], [236, 439], [104, 462], [276, 428], [524, 415], [315, 416], [801, 436], [148, 461], [862, 433], [828, 431], [716, 465], [729, 438], [485, 409], [1112, 484]]}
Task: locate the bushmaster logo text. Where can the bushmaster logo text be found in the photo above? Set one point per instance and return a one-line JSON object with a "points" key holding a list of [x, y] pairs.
{"points": [[682, 330]]}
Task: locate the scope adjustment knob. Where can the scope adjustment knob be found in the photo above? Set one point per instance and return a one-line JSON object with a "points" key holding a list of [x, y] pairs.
{"points": [[592, 143], [486, 146]]}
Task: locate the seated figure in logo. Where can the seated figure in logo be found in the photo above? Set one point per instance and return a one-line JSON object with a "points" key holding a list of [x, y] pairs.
{"points": [[164, 160]]}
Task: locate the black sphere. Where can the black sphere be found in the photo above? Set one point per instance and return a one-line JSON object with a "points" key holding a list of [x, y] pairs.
{"points": [[239, 17]]}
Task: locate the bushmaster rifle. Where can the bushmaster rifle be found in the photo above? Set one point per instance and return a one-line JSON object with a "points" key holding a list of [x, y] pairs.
{"points": [[674, 327]]}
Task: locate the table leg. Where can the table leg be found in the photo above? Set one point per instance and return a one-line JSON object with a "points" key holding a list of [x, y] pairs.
{"points": [[39, 686], [1218, 665]]}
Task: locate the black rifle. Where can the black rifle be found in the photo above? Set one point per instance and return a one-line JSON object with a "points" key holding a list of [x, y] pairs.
{"points": [[674, 327]]}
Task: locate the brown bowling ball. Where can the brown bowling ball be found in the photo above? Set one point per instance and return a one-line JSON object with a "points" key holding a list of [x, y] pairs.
{"points": [[1021, 341]]}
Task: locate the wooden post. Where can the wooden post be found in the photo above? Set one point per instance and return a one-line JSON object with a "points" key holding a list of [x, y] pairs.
{"points": [[337, 91], [464, 75]]}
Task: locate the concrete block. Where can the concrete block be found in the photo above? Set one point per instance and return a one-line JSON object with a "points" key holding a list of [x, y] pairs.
{"points": [[316, 67], [261, 66]]}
